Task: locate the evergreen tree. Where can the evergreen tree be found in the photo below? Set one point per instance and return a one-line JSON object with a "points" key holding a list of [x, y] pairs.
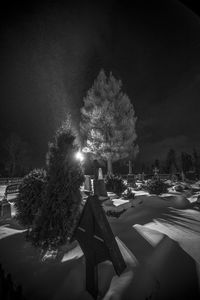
{"points": [[171, 164], [18, 156], [144, 168], [196, 161], [108, 121], [186, 161], [62, 198], [157, 164], [183, 162]]}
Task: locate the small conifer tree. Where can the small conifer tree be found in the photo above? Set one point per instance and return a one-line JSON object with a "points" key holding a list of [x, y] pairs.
{"points": [[108, 121], [62, 198]]}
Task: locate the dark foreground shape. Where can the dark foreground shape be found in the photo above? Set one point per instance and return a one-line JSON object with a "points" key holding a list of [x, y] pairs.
{"points": [[168, 273], [100, 188], [8, 291], [5, 209], [97, 243]]}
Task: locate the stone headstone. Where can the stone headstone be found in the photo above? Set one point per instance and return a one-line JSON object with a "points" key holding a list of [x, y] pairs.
{"points": [[131, 180], [156, 173], [87, 183], [130, 170], [182, 176], [100, 188], [6, 209], [100, 174]]}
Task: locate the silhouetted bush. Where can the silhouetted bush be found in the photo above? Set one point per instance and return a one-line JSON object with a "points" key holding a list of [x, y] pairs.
{"points": [[115, 214], [128, 194], [115, 184], [156, 186], [29, 200]]}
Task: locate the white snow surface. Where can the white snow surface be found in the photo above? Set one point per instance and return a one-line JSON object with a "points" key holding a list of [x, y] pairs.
{"points": [[149, 222]]}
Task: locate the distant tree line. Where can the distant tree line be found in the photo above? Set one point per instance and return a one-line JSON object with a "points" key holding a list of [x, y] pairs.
{"points": [[107, 130], [107, 135], [15, 156], [173, 163]]}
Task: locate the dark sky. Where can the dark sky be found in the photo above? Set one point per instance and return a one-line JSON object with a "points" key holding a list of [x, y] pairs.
{"points": [[52, 51]]}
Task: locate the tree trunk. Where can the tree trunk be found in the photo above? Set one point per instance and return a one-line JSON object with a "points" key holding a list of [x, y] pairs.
{"points": [[182, 176], [109, 166], [95, 168], [130, 170], [13, 168]]}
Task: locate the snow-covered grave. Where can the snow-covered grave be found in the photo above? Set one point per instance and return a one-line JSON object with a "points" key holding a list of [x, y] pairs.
{"points": [[158, 236]]}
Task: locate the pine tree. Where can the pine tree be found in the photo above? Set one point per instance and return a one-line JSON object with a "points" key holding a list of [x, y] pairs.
{"points": [[108, 121], [183, 162], [171, 164], [18, 155], [196, 161], [186, 161], [62, 198], [157, 163]]}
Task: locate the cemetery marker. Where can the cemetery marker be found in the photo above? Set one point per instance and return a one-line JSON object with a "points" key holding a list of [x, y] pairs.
{"points": [[97, 242]]}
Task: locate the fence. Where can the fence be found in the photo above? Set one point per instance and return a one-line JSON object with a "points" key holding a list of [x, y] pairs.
{"points": [[161, 176], [8, 180]]}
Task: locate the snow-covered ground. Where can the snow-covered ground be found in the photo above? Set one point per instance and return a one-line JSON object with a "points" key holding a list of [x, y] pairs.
{"points": [[159, 238]]}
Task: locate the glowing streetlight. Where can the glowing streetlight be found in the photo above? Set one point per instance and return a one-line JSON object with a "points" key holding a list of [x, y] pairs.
{"points": [[79, 156]]}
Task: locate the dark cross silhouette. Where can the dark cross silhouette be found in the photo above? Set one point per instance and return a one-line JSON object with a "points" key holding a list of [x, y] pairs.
{"points": [[97, 243]]}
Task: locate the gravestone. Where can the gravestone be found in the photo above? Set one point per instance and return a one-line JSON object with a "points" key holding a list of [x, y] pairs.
{"points": [[100, 174], [12, 189], [87, 183], [97, 242], [5, 209], [99, 185], [100, 188], [182, 176], [156, 173], [130, 169], [131, 180]]}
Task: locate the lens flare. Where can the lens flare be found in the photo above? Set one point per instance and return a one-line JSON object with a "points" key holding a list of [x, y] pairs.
{"points": [[79, 155]]}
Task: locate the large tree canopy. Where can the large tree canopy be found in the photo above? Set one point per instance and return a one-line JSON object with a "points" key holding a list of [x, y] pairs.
{"points": [[108, 120]]}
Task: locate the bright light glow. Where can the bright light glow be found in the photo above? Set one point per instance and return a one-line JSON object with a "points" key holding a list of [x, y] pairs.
{"points": [[79, 156]]}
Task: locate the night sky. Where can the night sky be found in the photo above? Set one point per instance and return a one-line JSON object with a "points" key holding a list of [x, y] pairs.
{"points": [[51, 52]]}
